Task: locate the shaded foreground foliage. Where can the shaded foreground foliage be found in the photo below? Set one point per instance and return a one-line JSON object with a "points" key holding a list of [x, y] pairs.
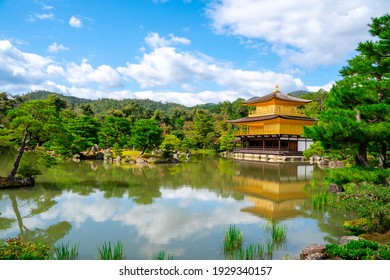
{"points": [[367, 192]]}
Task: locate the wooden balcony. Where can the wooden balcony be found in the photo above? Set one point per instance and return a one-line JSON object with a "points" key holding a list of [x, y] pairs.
{"points": [[268, 151]]}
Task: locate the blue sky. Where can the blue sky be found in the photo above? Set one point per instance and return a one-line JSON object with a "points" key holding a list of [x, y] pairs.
{"points": [[184, 51]]}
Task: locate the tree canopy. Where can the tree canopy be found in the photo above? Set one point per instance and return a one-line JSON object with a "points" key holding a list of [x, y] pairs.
{"points": [[357, 118]]}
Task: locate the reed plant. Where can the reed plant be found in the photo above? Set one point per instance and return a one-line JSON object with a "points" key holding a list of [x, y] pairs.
{"points": [[232, 240], [160, 256], [66, 252], [114, 252], [320, 200], [279, 233]]}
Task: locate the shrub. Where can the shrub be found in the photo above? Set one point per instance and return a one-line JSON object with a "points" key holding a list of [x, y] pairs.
{"points": [[15, 249], [356, 227], [359, 250], [28, 170], [341, 176]]}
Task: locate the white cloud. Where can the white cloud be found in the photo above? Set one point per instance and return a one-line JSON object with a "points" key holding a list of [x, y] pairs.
{"points": [[166, 65], [154, 40], [84, 74], [75, 22], [20, 71], [326, 87], [165, 74], [55, 47], [303, 32], [47, 7], [19, 68], [45, 16]]}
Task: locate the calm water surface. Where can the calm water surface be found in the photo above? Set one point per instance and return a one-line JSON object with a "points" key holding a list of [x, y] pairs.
{"points": [[182, 209]]}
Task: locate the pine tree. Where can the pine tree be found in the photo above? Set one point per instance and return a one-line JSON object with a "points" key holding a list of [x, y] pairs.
{"points": [[358, 109]]}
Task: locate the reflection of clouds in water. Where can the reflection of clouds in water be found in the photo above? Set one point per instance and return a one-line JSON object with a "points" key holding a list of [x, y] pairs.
{"points": [[177, 215], [188, 192], [75, 208], [162, 222], [301, 232]]}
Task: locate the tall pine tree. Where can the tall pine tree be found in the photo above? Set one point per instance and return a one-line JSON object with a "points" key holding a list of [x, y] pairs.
{"points": [[358, 109]]}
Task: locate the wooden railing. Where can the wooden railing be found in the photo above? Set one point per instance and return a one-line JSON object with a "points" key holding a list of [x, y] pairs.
{"points": [[271, 151]]}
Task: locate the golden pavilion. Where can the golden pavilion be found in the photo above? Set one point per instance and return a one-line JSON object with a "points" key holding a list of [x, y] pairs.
{"points": [[274, 127]]}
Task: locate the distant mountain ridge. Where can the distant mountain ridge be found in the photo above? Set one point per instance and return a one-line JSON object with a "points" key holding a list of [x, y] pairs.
{"points": [[298, 93], [104, 104]]}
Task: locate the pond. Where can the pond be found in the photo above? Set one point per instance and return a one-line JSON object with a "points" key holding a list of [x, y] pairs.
{"points": [[181, 209]]}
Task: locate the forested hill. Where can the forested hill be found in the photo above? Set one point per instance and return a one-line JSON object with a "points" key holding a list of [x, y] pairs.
{"points": [[298, 93], [43, 94], [103, 105]]}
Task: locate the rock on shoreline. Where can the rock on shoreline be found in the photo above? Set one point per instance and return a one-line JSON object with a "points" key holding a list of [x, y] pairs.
{"points": [[16, 183]]}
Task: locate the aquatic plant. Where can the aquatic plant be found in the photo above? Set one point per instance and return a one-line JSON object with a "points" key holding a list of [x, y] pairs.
{"points": [[66, 252], [108, 252], [320, 200], [160, 256], [232, 240], [278, 232]]}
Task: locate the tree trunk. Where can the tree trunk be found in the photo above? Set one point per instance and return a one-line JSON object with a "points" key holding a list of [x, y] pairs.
{"points": [[143, 150], [12, 174], [361, 157], [382, 156]]}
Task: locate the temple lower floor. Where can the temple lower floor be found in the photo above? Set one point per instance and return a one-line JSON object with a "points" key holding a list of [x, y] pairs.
{"points": [[272, 144]]}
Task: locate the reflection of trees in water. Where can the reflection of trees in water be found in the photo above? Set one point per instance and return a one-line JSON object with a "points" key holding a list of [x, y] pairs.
{"points": [[36, 201], [141, 183], [329, 220]]}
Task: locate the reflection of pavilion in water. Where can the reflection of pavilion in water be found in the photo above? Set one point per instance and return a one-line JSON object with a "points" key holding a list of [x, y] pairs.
{"points": [[276, 190]]}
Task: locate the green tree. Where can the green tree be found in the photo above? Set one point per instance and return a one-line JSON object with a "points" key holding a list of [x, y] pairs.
{"points": [[57, 101], [114, 130], [203, 128], [146, 134], [170, 144], [358, 108], [84, 131], [33, 123], [6, 103], [87, 110]]}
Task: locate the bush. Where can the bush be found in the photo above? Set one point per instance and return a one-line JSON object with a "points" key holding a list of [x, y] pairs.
{"points": [[366, 193], [28, 170], [359, 250], [358, 175], [15, 249], [356, 227]]}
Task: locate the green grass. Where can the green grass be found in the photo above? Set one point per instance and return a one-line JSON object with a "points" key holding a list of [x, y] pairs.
{"points": [[66, 252], [114, 252], [160, 256], [320, 200], [232, 240], [278, 232]]}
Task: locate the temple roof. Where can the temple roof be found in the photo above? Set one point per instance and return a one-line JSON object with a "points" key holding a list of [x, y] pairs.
{"points": [[277, 95], [270, 117]]}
